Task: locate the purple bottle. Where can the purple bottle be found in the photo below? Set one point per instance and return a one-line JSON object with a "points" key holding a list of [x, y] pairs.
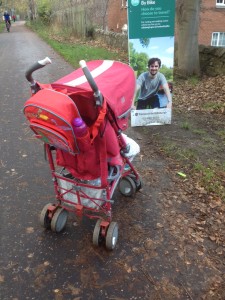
{"points": [[79, 127]]}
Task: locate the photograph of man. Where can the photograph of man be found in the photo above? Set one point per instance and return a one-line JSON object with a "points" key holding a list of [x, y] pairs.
{"points": [[149, 83]]}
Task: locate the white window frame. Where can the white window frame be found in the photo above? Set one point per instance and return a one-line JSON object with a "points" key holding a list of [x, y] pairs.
{"points": [[218, 4], [217, 39]]}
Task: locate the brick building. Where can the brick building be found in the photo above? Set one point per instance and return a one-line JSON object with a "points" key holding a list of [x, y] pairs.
{"points": [[117, 15], [212, 23], [212, 20]]}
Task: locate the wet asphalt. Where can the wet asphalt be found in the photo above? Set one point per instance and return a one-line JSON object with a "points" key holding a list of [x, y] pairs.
{"points": [[39, 264]]}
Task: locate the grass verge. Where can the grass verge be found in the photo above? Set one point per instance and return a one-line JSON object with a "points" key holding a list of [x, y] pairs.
{"points": [[210, 174], [212, 177], [2, 27], [72, 50]]}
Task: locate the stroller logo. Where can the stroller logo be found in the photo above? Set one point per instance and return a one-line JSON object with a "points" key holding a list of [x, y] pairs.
{"points": [[135, 2]]}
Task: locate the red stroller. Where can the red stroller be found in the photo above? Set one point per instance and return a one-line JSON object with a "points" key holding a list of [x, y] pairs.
{"points": [[86, 170]]}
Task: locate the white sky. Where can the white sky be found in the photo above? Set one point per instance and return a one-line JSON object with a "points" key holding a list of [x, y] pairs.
{"points": [[161, 47]]}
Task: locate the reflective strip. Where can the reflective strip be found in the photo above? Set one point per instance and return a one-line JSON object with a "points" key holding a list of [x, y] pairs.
{"points": [[98, 71]]}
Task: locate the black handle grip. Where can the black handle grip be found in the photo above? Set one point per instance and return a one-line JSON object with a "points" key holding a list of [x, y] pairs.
{"points": [[38, 65]]}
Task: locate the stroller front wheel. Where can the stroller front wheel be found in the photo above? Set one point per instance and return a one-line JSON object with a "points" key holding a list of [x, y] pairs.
{"points": [[97, 233], [44, 218], [112, 235], [59, 220]]}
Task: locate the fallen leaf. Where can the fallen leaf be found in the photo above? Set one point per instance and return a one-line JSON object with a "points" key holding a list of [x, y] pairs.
{"points": [[30, 230], [159, 225]]}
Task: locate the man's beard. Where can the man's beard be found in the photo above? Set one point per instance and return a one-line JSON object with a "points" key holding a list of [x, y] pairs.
{"points": [[153, 73]]}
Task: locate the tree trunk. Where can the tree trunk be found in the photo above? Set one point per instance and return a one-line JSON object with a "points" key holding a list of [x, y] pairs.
{"points": [[32, 7], [187, 34]]}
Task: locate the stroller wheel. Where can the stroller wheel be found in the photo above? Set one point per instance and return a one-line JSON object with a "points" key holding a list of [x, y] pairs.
{"points": [[44, 218], [59, 220], [138, 183], [97, 233], [127, 186], [112, 236]]}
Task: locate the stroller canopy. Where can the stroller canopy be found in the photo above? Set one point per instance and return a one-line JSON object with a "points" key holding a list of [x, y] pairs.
{"points": [[115, 80]]}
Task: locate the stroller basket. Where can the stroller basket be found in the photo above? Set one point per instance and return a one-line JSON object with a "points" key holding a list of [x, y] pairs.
{"points": [[83, 192]]}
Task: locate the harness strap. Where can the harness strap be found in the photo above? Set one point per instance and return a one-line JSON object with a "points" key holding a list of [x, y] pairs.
{"points": [[95, 127]]}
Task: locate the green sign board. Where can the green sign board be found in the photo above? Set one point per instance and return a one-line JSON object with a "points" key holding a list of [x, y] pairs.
{"points": [[151, 18]]}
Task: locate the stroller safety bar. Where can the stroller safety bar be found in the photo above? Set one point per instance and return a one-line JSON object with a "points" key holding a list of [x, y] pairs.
{"points": [[97, 94]]}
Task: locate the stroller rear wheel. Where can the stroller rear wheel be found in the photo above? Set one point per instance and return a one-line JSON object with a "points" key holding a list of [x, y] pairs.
{"points": [[44, 218], [97, 233], [138, 182], [112, 236], [59, 220], [127, 186]]}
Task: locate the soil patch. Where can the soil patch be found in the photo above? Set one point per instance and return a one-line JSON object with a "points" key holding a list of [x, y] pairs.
{"points": [[185, 163]]}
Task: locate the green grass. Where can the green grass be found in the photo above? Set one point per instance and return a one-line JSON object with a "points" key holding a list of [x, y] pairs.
{"points": [[213, 106], [74, 53], [2, 27], [199, 131], [185, 125], [173, 150], [211, 177], [210, 174], [71, 52], [221, 134], [193, 80]]}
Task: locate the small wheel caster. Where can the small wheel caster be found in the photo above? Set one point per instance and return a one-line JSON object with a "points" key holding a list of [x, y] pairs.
{"points": [[127, 186], [59, 220], [112, 236], [44, 218]]}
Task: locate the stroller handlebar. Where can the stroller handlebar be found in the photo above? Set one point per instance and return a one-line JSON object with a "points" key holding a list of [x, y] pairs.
{"points": [[97, 94], [38, 65]]}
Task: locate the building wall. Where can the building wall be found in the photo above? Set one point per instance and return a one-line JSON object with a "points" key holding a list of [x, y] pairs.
{"points": [[212, 19], [117, 15]]}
